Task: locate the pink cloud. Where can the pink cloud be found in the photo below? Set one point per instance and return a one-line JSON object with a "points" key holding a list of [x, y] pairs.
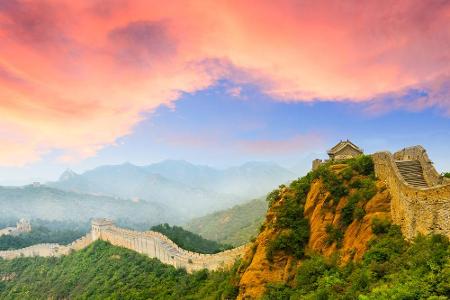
{"points": [[76, 75]]}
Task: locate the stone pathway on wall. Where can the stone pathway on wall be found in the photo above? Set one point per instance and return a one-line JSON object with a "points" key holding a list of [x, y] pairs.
{"points": [[412, 172]]}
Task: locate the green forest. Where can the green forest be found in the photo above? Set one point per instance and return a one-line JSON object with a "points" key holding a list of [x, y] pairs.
{"points": [[39, 235], [102, 271], [190, 241]]}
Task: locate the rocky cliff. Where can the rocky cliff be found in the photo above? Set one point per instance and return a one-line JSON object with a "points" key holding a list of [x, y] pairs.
{"points": [[329, 212]]}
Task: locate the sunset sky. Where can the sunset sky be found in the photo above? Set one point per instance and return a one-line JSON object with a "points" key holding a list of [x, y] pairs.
{"points": [[84, 83]]}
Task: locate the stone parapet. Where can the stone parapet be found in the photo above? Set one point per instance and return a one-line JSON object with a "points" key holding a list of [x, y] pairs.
{"points": [[157, 245], [45, 250], [416, 210]]}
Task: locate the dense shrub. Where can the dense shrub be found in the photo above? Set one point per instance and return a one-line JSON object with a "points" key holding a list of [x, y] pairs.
{"points": [[359, 213], [292, 228], [190, 241], [273, 197], [347, 212], [363, 165], [312, 269], [447, 175], [380, 226], [347, 173], [365, 189], [334, 234], [291, 241], [335, 186]]}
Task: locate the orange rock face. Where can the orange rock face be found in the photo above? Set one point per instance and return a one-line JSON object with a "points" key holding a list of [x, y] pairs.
{"points": [[356, 235], [257, 271]]}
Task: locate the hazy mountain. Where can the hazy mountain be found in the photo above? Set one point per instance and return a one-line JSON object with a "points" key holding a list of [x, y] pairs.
{"points": [[188, 189], [249, 180], [41, 202], [186, 173], [137, 183]]}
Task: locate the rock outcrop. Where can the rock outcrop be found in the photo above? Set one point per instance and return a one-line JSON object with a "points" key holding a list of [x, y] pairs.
{"points": [[257, 271]]}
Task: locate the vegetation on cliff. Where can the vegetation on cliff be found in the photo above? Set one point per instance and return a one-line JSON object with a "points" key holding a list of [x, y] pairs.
{"points": [[102, 271], [355, 179], [390, 269], [234, 226], [447, 175], [39, 235], [328, 236], [190, 241]]}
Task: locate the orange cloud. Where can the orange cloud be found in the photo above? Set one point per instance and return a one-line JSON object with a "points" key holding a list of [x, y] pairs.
{"points": [[76, 75]]}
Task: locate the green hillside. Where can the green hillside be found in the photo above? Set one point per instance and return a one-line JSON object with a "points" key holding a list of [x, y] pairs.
{"points": [[102, 271], [235, 226], [190, 241], [39, 235]]}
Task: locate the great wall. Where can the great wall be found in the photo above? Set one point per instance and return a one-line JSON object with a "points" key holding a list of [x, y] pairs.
{"points": [[150, 243], [420, 196], [420, 204]]}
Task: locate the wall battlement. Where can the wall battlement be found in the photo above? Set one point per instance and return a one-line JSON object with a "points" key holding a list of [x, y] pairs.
{"points": [[416, 210]]}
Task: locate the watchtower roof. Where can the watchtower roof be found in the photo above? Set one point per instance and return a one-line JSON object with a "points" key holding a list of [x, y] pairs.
{"points": [[341, 145]]}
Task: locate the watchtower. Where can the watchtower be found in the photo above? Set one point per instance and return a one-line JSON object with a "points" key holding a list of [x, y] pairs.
{"points": [[98, 226]]}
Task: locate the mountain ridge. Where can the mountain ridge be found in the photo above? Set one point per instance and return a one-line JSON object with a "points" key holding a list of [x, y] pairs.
{"points": [[194, 190]]}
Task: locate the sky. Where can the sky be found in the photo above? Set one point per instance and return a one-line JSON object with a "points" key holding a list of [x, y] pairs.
{"points": [[86, 83]]}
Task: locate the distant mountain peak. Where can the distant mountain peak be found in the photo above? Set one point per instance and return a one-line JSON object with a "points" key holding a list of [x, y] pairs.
{"points": [[67, 175]]}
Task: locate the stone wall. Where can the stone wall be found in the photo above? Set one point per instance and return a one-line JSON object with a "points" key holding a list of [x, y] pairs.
{"points": [[150, 243], [157, 245], [416, 210], [419, 153], [81, 243], [45, 250]]}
